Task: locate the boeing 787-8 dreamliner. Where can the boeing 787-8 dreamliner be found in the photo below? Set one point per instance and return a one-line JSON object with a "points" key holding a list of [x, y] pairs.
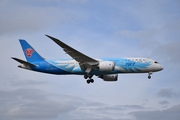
{"points": [[81, 64]]}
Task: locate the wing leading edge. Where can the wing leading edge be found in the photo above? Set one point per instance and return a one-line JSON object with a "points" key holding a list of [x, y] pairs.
{"points": [[86, 63]]}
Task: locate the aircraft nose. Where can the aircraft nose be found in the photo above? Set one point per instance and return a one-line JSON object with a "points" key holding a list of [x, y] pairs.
{"points": [[160, 67]]}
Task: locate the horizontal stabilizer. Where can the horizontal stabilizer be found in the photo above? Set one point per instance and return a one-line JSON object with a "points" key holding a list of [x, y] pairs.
{"points": [[23, 62]]}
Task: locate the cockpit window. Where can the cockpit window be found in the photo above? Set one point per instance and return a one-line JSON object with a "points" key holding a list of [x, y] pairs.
{"points": [[155, 62]]}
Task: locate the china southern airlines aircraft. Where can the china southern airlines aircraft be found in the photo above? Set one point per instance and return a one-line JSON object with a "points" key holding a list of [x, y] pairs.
{"points": [[81, 64]]}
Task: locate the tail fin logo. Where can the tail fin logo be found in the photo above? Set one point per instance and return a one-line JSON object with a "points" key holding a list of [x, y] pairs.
{"points": [[29, 52]]}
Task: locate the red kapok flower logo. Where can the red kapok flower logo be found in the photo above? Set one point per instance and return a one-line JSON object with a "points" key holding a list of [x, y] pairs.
{"points": [[29, 52]]}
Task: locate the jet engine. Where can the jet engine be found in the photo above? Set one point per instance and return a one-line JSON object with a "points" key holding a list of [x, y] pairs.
{"points": [[109, 77], [106, 66]]}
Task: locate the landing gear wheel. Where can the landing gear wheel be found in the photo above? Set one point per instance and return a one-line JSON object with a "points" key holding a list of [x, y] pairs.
{"points": [[92, 81], [85, 76], [88, 76], [88, 81], [149, 77]]}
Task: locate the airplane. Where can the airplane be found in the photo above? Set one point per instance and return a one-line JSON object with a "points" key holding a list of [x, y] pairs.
{"points": [[81, 64]]}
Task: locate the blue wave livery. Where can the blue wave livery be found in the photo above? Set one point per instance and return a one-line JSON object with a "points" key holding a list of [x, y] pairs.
{"points": [[81, 64]]}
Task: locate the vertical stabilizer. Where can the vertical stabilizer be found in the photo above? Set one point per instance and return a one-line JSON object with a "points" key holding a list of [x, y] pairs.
{"points": [[29, 52]]}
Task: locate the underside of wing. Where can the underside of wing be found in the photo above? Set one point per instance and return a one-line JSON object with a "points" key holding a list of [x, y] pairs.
{"points": [[86, 63]]}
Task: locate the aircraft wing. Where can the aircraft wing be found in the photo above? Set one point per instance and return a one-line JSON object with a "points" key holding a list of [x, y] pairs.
{"points": [[86, 63]]}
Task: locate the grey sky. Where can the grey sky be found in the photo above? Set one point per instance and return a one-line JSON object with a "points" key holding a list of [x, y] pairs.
{"points": [[99, 29]]}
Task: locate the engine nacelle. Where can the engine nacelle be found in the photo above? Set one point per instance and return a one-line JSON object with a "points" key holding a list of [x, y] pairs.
{"points": [[106, 66], [109, 77]]}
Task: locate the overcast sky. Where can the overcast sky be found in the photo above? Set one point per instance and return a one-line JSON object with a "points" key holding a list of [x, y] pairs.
{"points": [[98, 28]]}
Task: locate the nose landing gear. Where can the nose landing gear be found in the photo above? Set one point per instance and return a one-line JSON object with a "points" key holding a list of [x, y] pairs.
{"points": [[149, 75]]}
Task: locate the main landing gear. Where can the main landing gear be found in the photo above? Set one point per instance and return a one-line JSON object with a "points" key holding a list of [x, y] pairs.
{"points": [[149, 75], [90, 80]]}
